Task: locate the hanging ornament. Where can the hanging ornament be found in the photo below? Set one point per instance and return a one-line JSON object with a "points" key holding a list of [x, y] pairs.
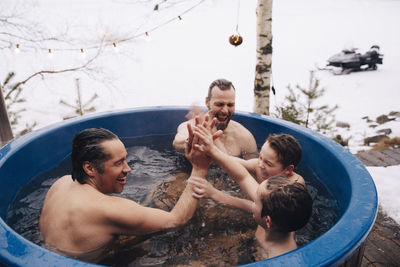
{"points": [[235, 39]]}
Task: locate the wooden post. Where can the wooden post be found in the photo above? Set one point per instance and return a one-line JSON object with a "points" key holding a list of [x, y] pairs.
{"points": [[264, 57], [5, 127]]}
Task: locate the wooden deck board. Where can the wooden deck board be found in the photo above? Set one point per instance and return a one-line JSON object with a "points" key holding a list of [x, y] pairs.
{"points": [[382, 247], [371, 160], [382, 158], [395, 154]]}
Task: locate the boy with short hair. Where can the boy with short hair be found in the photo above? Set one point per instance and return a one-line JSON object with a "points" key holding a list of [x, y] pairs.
{"points": [[280, 208], [280, 154], [270, 163]]}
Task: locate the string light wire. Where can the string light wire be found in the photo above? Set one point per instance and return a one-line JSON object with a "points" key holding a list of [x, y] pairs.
{"points": [[114, 43]]}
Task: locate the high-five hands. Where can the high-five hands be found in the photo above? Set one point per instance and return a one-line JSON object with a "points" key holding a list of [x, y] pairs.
{"points": [[193, 147], [204, 134]]}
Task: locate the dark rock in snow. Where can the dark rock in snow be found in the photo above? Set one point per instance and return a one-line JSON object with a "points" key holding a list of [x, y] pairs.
{"points": [[385, 131], [374, 139]]}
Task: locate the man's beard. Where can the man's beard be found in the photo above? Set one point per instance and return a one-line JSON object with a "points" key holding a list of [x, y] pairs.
{"points": [[222, 126]]}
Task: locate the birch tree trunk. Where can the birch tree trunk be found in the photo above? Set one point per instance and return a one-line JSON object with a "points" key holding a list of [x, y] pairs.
{"points": [[264, 57], [5, 127]]}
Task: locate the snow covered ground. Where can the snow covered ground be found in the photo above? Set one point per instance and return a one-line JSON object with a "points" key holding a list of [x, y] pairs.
{"points": [[387, 184], [176, 66]]}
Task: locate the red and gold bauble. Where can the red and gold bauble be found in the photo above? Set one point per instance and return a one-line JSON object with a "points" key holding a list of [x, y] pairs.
{"points": [[235, 39]]}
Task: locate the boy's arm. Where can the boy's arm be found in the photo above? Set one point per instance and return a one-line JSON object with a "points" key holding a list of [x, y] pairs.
{"points": [[226, 199], [229, 164], [249, 164], [203, 189]]}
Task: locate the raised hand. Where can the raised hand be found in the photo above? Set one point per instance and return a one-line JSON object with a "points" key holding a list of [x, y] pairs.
{"points": [[205, 135], [207, 128], [198, 158]]}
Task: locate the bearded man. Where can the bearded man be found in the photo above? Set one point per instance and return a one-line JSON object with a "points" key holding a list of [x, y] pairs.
{"points": [[236, 140]]}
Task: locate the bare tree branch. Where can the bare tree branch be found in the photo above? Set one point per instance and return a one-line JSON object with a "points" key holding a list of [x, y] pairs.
{"points": [[43, 72]]}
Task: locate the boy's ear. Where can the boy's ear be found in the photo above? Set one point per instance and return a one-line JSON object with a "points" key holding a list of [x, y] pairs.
{"points": [[268, 222], [288, 170], [88, 168]]}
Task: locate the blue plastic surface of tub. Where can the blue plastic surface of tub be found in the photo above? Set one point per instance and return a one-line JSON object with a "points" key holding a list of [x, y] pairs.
{"points": [[343, 174]]}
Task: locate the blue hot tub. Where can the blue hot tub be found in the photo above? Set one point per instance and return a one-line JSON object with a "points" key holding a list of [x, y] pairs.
{"points": [[343, 175]]}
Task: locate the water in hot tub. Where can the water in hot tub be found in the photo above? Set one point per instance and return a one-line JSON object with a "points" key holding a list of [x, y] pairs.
{"points": [[216, 235]]}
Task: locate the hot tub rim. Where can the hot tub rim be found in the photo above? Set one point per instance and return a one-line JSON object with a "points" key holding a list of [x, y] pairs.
{"points": [[302, 253]]}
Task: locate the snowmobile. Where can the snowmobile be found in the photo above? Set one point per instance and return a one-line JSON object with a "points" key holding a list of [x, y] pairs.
{"points": [[350, 60]]}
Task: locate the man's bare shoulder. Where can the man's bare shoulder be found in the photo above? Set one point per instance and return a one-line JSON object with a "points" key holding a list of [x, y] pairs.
{"points": [[241, 131], [182, 129], [116, 208], [82, 196], [183, 124], [181, 135], [244, 139], [117, 200], [64, 179], [60, 185]]}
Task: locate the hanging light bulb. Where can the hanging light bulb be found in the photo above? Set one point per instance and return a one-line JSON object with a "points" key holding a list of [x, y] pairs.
{"points": [[50, 53], [180, 19], [148, 37], [83, 53], [115, 47], [17, 50]]}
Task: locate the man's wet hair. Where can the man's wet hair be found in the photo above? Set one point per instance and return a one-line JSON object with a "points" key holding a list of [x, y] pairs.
{"points": [[286, 147], [222, 84], [288, 203], [86, 146]]}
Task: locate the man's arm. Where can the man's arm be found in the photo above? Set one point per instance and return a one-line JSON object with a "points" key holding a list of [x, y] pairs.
{"points": [[128, 217], [180, 137], [194, 116], [136, 219]]}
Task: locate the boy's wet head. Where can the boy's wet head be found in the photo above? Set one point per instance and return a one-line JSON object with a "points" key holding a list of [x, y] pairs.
{"points": [[269, 163], [288, 204], [287, 149]]}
